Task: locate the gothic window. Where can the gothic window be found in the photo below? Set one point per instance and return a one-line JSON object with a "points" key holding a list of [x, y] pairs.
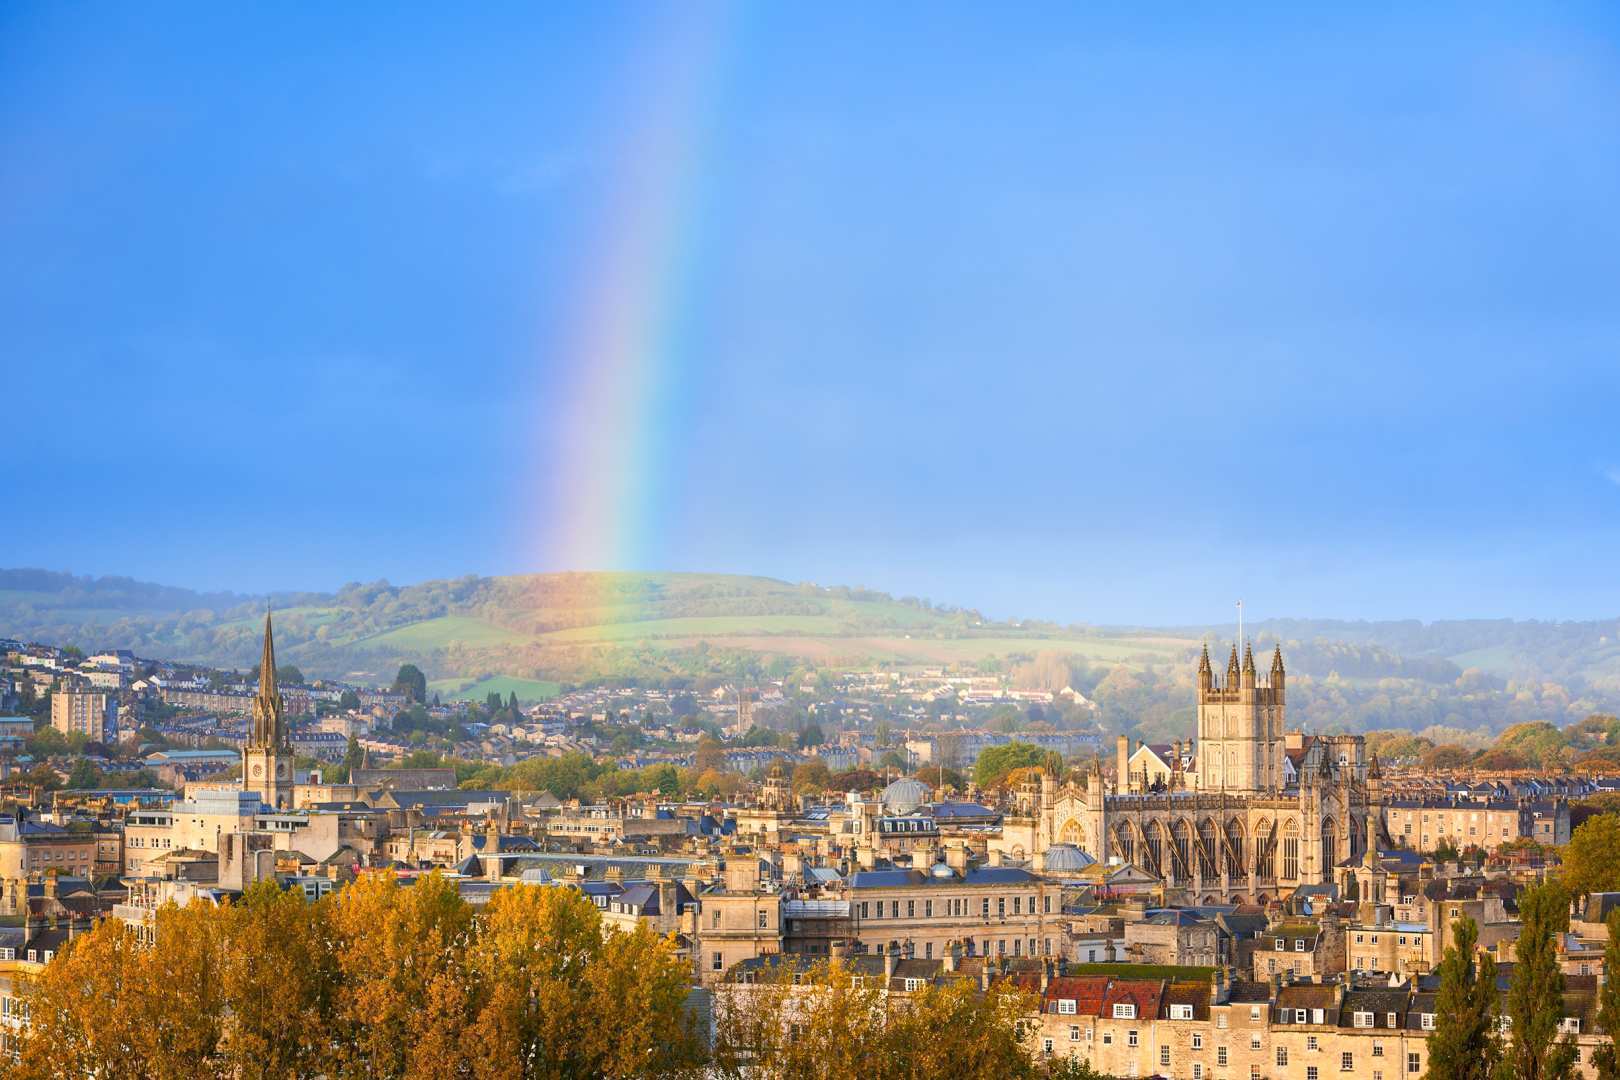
{"points": [[1290, 871]]}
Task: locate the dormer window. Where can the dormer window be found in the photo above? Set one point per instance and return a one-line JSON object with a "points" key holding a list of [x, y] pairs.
{"points": [[1066, 1007], [1124, 1011], [1181, 1012]]}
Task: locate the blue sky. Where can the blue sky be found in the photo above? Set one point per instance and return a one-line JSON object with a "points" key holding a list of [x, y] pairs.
{"points": [[1084, 313]]}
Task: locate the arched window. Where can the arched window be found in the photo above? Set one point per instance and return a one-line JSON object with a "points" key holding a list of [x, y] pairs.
{"points": [[1290, 852]]}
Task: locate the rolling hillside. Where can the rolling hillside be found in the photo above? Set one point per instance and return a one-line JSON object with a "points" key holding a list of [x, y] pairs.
{"points": [[527, 634], [546, 627]]}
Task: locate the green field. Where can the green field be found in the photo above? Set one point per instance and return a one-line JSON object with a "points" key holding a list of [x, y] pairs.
{"points": [[707, 627], [441, 632], [527, 690]]}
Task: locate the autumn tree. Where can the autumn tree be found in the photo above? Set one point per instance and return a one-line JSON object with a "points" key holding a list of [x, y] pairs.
{"points": [[279, 981], [1536, 995], [1465, 1045], [391, 944]]}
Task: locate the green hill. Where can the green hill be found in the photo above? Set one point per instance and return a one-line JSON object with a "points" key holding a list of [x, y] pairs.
{"points": [[528, 633], [545, 626]]}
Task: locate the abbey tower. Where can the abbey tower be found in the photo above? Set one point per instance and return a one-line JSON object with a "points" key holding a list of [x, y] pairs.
{"points": [[1240, 726]]}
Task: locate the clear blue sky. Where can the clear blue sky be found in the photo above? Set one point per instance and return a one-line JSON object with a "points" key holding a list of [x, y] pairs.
{"points": [[1096, 315]]}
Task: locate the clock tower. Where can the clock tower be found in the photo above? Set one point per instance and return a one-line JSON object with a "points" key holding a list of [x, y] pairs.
{"points": [[267, 760]]}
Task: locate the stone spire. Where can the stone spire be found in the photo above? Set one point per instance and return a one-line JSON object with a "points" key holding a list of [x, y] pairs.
{"points": [[1248, 666], [1232, 668], [1206, 675], [267, 705]]}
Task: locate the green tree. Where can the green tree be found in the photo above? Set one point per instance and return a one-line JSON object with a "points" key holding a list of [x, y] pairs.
{"points": [[353, 755], [996, 762], [1535, 1002], [349, 699], [1465, 1045], [1592, 858], [412, 683], [1605, 1058]]}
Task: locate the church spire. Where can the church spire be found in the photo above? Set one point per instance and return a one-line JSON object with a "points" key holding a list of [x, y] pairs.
{"points": [[267, 706], [1206, 675], [267, 663], [1232, 668]]}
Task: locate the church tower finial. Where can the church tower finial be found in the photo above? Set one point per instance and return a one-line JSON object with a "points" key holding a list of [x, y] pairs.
{"points": [[1248, 667], [1232, 669], [1206, 674], [267, 757], [1277, 674]]}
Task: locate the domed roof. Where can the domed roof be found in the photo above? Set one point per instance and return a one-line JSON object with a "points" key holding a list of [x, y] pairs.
{"points": [[1066, 858], [904, 796]]}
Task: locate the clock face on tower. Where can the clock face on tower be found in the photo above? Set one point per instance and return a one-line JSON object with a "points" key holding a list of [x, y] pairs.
{"points": [[258, 770]]}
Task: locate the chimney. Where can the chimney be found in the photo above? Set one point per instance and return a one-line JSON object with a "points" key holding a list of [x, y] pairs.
{"points": [[952, 951], [1218, 991], [891, 957], [956, 857], [667, 902], [1046, 974], [1122, 775]]}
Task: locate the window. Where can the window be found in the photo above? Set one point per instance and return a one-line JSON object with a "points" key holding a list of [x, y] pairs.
{"points": [[1198, 1040], [1066, 1006], [1108, 1038], [1310, 1043], [928, 909], [1046, 904], [1181, 1012], [913, 985], [1571, 1024], [1426, 1021], [863, 913], [986, 907], [1164, 1056], [1300, 1016], [1198, 1070], [1130, 1037], [911, 909], [1254, 1042], [1220, 1055], [1001, 907], [1220, 1021], [1074, 1033], [1124, 1011], [1310, 1072], [764, 920], [1299, 944], [1254, 1014], [1362, 1020], [1018, 905], [1282, 1057], [1281, 944], [1347, 1062], [718, 962], [1414, 1064], [1046, 1045], [1391, 1020], [1377, 1049], [894, 909]]}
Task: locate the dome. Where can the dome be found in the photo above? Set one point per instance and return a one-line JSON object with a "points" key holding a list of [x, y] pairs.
{"points": [[1066, 859], [904, 796]]}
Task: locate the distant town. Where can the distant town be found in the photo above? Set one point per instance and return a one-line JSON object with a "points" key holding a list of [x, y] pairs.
{"points": [[1250, 900]]}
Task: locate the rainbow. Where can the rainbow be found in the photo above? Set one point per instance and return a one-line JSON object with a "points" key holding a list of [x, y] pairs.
{"points": [[624, 350]]}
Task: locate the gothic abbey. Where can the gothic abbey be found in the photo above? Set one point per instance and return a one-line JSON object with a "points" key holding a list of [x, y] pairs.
{"points": [[1247, 814]]}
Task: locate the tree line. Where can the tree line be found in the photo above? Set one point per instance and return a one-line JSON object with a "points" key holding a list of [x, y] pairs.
{"points": [[384, 980]]}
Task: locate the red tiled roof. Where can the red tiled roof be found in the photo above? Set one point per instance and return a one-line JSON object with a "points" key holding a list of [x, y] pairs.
{"points": [[1142, 993], [1085, 990]]}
